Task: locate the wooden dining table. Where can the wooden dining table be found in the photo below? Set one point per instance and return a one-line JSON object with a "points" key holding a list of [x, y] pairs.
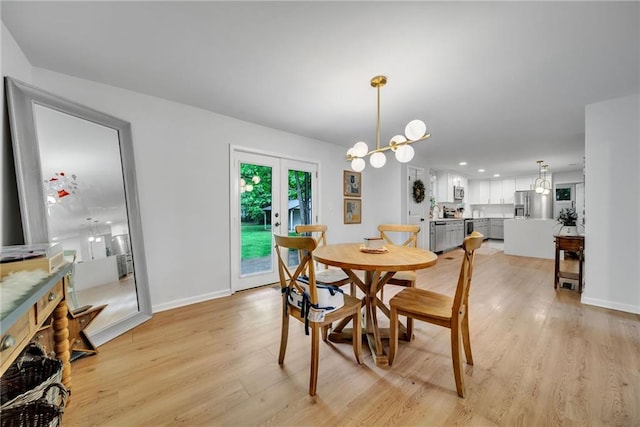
{"points": [[378, 269]]}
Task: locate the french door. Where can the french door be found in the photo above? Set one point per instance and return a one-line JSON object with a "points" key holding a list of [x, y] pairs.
{"points": [[269, 195]]}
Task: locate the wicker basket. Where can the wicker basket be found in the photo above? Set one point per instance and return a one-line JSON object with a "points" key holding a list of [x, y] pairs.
{"points": [[36, 413], [31, 393]]}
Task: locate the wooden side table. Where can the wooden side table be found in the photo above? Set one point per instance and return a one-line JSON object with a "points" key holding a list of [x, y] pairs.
{"points": [[569, 244], [28, 314]]}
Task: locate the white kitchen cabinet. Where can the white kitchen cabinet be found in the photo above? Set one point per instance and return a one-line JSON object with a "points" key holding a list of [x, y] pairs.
{"points": [[479, 192], [502, 191], [495, 195], [445, 181], [508, 188]]}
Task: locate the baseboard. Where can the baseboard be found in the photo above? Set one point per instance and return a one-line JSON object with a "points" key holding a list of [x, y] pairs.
{"points": [[188, 301], [611, 304]]}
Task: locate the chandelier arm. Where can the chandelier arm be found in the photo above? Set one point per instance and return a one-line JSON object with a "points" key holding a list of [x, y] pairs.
{"points": [[389, 147]]}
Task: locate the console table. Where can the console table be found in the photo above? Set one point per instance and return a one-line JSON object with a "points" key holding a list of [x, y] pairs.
{"points": [[569, 244], [30, 313]]}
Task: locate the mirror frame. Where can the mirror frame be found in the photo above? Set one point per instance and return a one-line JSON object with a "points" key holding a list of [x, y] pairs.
{"points": [[21, 98]]}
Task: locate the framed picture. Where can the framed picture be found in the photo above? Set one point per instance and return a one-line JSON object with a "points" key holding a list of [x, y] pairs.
{"points": [[352, 211], [352, 184]]}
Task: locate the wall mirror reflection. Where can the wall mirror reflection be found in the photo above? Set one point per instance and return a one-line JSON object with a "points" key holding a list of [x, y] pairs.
{"points": [[76, 182]]}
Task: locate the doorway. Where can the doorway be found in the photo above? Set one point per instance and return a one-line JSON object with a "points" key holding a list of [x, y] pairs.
{"points": [[269, 194], [417, 211]]}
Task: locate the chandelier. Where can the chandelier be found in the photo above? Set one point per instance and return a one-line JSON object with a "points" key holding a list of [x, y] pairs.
{"points": [[94, 233], [416, 130], [541, 185], [247, 186], [59, 186]]}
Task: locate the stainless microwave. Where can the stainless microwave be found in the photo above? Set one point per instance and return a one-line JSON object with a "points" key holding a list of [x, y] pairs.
{"points": [[458, 192]]}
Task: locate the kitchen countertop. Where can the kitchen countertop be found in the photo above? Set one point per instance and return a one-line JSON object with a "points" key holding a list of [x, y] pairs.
{"points": [[462, 219]]}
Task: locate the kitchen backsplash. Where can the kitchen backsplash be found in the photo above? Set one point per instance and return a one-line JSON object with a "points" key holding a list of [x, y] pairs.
{"points": [[483, 211], [491, 211]]}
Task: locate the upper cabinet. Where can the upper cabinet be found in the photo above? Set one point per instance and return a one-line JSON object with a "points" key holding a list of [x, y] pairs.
{"points": [[445, 181], [479, 192], [502, 191], [492, 192]]}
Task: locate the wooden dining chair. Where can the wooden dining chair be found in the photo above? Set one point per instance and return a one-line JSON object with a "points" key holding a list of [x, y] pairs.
{"points": [[311, 313], [442, 310], [401, 235], [324, 273]]}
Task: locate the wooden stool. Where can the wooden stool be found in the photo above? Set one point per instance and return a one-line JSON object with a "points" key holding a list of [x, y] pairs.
{"points": [[569, 244]]}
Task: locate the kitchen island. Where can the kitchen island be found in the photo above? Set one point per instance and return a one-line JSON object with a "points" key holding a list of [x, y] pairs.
{"points": [[530, 237]]}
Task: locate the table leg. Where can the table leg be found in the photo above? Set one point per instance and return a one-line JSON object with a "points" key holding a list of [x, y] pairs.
{"points": [[372, 284], [61, 341]]}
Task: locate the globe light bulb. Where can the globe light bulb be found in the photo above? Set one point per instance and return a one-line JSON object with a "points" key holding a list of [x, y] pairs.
{"points": [[415, 129], [398, 139], [351, 152], [358, 164], [361, 149], [378, 160], [539, 190], [405, 153], [91, 239]]}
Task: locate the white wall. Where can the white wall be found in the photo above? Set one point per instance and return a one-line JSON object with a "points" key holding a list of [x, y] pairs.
{"points": [[182, 166], [567, 177], [612, 197], [182, 171]]}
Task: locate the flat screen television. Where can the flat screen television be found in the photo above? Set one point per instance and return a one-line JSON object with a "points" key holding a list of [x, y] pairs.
{"points": [[563, 194]]}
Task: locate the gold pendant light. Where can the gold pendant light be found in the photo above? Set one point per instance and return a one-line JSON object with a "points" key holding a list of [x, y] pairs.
{"points": [[542, 186], [416, 130]]}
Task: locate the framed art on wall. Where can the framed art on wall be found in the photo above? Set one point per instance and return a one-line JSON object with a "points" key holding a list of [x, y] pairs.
{"points": [[352, 211], [352, 184]]}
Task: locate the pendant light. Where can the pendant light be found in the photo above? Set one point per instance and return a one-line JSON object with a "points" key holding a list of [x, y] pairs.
{"points": [[416, 130]]}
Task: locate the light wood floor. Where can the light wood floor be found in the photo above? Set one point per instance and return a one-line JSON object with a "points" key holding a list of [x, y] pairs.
{"points": [[541, 359]]}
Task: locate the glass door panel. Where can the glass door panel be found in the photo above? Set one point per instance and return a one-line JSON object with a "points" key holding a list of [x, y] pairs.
{"points": [[255, 218], [269, 195], [300, 201]]}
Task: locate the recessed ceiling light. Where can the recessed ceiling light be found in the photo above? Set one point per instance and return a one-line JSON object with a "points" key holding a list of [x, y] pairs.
{"points": [[463, 163], [495, 175], [481, 170]]}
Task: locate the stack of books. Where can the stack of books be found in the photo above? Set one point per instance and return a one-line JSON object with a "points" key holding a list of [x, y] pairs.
{"points": [[41, 256]]}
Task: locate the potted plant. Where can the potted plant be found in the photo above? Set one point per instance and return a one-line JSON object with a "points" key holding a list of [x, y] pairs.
{"points": [[568, 218]]}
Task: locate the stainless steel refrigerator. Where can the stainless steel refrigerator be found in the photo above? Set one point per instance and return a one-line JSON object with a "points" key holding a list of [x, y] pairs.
{"points": [[529, 204]]}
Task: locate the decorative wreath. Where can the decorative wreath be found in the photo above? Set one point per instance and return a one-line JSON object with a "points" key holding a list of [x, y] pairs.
{"points": [[418, 191]]}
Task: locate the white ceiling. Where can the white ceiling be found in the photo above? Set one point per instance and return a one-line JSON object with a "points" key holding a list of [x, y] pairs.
{"points": [[499, 84]]}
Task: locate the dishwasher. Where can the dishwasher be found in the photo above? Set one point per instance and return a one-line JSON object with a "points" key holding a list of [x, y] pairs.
{"points": [[440, 236]]}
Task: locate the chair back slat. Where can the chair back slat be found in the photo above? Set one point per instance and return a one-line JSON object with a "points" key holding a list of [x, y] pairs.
{"points": [[317, 231], [391, 233], [288, 275], [461, 298]]}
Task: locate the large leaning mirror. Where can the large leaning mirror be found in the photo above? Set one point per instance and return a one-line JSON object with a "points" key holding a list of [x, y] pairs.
{"points": [[77, 187]]}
